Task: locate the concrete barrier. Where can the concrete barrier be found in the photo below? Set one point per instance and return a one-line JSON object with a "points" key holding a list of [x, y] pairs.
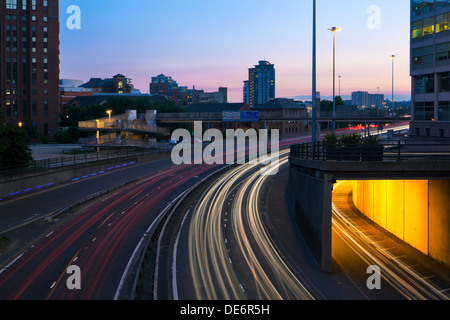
{"points": [[26, 182]]}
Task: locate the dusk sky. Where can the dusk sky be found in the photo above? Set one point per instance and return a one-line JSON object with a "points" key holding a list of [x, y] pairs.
{"points": [[212, 43]]}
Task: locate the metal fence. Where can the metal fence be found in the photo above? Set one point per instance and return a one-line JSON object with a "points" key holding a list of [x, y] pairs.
{"points": [[401, 150], [75, 159]]}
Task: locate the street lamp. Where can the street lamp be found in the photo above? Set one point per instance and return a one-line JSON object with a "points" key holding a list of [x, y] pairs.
{"points": [[109, 113], [393, 58], [334, 29], [314, 91]]}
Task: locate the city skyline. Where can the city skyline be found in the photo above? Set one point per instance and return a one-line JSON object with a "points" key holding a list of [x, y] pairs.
{"points": [[145, 38]]}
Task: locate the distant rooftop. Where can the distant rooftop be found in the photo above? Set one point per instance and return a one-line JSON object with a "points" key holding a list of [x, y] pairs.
{"points": [[281, 103]]}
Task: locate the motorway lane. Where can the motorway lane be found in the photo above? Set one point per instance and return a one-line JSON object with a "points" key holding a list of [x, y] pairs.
{"points": [[230, 255], [30, 206], [100, 241]]}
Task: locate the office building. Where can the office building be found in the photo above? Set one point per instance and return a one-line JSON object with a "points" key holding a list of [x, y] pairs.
{"points": [[166, 86], [364, 99], [29, 63], [200, 96], [430, 68], [260, 87]]}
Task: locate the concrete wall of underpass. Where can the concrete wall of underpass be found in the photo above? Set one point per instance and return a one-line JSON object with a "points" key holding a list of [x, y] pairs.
{"points": [[416, 211], [309, 199]]}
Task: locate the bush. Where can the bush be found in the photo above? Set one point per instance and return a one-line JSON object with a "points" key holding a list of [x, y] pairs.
{"points": [[351, 139], [331, 139], [4, 242], [14, 146], [371, 140]]}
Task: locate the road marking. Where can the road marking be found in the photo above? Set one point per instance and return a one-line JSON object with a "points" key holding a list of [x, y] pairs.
{"points": [[54, 283], [48, 235], [174, 260]]}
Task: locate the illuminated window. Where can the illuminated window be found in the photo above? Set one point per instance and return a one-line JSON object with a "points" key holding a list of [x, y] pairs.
{"points": [[441, 22], [428, 26], [417, 29]]}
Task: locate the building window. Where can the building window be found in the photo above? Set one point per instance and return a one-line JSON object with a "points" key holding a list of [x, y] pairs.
{"points": [[11, 4], [444, 111], [424, 111], [424, 84], [441, 22], [417, 29], [428, 26], [444, 82], [423, 57]]}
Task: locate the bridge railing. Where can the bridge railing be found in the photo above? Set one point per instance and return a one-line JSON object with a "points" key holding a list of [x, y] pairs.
{"points": [[400, 150]]}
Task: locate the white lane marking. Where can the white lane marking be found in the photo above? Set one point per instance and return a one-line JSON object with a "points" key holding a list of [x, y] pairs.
{"points": [[174, 261]]}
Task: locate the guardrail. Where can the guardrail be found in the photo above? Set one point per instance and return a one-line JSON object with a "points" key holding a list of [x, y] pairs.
{"points": [[122, 125], [401, 150], [113, 142], [148, 246]]}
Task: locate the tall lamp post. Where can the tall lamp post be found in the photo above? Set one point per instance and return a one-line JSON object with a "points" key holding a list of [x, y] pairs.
{"points": [[393, 58], [334, 29], [314, 91]]}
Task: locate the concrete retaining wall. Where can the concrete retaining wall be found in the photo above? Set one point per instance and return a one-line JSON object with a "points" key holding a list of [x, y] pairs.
{"points": [[309, 201], [416, 211], [54, 176]]}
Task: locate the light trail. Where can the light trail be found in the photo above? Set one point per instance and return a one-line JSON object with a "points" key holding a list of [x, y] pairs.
{"points": [[212, 270], [408, 282]]}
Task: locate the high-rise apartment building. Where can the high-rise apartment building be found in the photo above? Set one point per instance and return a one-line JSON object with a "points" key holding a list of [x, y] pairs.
{"points": [[167, 87], [29, 63], [430, 68], [364, 99], [260, 87]]}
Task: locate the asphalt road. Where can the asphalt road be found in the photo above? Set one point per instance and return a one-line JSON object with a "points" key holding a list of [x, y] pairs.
{"points": [[236, 241], [99, 240]]}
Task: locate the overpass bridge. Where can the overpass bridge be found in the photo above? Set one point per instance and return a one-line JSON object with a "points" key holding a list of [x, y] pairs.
{"points": [[125, 130], [189, 117], [404, 181]]}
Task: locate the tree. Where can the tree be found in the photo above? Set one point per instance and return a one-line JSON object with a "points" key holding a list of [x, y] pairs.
{"points": [[340, 101], [2, 116], [14, 146]]}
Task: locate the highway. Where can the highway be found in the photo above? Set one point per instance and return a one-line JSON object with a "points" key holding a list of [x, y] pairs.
{"points": [[100, 241], [222, 244], [224, 250], [214, 273]]}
